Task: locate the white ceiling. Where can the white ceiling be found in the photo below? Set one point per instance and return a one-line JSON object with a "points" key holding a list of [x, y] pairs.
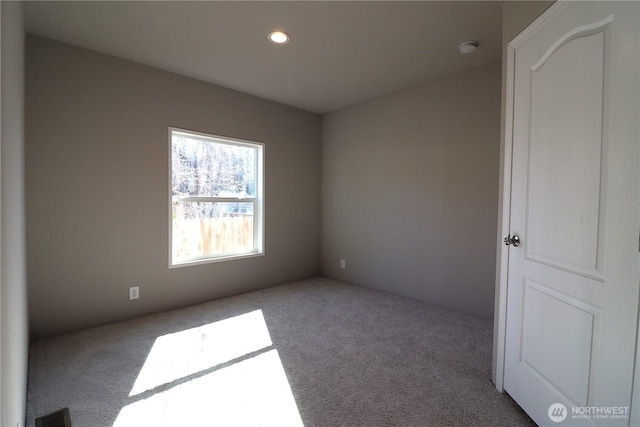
{"points": [[340, 53]]}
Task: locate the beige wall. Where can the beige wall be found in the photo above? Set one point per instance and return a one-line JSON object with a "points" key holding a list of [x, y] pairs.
{"points": [[97, 196], [13, 293], [410, 191], [516, 16]]}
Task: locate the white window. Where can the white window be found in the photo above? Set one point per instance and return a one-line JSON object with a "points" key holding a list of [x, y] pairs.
{"points": [[216, 198]]}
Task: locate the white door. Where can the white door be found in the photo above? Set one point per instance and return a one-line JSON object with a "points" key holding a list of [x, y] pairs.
{"points": [[573, 281]]}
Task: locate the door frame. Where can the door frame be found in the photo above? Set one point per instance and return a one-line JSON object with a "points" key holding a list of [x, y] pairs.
{"points": [[504, 215]]}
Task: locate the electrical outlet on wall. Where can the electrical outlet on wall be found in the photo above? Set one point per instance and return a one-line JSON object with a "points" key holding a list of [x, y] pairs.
{"points": [[343, 263], [134, 292]]}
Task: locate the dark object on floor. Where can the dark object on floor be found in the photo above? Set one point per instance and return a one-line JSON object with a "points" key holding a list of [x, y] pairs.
{"points": [[55, 419]]}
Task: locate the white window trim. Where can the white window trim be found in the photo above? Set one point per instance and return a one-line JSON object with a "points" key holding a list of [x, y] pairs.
{"points": [[258, 201]]}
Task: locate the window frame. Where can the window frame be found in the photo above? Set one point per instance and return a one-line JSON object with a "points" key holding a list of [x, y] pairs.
{"points": [[257, 201]]}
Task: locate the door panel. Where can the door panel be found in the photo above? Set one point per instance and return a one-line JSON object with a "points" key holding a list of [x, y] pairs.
{"points": [[565, 147], [572, 292], [558, 340]]}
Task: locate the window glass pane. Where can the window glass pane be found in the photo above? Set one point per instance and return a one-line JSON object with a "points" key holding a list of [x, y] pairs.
{"points": [[201, 167], [205, 228]]}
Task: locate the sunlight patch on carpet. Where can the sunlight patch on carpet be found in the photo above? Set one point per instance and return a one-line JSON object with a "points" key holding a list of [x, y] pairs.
{"points": [[254, 391], [181, 354]]}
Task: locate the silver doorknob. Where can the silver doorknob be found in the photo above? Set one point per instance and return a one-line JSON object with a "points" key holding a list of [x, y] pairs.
{"points": [[512, 240]]}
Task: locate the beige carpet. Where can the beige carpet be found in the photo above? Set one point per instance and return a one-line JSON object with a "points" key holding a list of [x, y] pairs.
{"points": [[317, 353]]}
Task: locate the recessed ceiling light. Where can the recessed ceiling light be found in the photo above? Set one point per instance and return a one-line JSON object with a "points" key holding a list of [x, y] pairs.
{"points": [[279, 37], [468, 46]]}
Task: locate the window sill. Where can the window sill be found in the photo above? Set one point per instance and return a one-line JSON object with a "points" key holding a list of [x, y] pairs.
{"points": [[200, 261]]}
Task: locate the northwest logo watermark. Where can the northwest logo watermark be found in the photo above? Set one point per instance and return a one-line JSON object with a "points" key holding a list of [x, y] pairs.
{"points": [[558, 412]]}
